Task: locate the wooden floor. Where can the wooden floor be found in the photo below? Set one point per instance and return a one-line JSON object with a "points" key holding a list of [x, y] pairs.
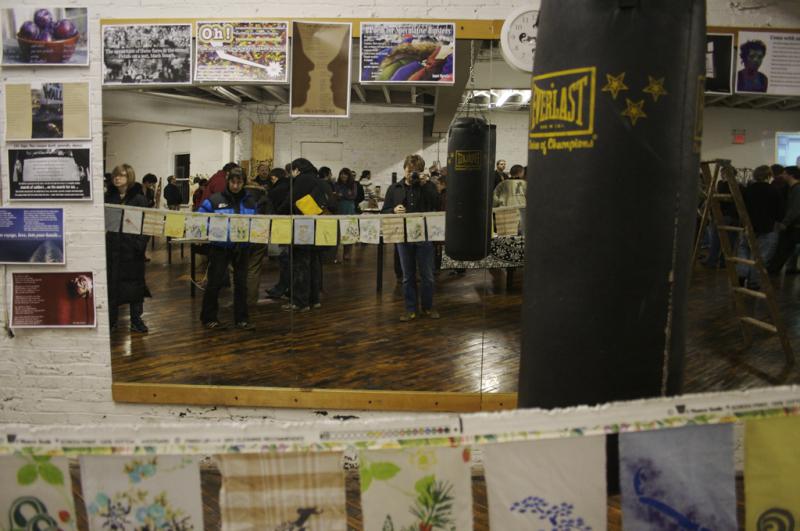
{"points": [[356, 341]]}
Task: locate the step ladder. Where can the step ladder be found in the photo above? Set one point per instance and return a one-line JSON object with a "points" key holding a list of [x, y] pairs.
{"points": [[713, 211]]}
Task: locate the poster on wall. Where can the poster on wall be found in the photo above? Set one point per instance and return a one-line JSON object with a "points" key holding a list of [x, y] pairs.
{"points": [[49, 172], [320, 84], [155, 54], [38, 110], [45, 36], [768, 63], [32, 236], [719, 63], [53, 300], [404, 52], [241, 51]]}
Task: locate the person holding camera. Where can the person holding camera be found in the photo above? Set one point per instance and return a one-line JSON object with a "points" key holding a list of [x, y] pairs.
{"points": [[415, 193]]}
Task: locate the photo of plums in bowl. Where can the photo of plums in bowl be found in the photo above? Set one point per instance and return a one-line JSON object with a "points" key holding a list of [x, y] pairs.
{"points": [[47, 40]]}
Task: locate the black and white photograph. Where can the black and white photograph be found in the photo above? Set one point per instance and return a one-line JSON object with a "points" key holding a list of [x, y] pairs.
{"points": [[49, 172], [155, 54], [52, 36], [719, 63]]}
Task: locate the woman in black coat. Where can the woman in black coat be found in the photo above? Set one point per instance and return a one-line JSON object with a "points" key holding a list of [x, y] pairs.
{"points": [[125, 253]]}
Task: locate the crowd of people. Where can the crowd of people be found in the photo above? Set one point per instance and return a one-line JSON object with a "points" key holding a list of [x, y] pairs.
{"points": [[772, 200], [277, 191]]}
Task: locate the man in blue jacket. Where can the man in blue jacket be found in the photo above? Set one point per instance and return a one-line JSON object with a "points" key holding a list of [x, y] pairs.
{"points": [[233, 200]]}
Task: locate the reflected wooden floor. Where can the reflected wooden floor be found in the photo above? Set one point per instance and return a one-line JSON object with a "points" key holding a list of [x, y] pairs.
{"points": [[356, 342]]}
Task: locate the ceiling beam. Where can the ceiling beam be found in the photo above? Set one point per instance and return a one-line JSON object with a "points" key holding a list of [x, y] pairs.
{"points": [[222, 93], [387, 94], [359, 90], [251, 92], [279, 93]]}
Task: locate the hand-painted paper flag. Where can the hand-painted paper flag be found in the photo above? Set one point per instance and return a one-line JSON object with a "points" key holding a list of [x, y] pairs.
{"points": [[132, 221], [197, 227], [303, 231], [393, 230], [36, 493], [147, 492], [680, 478], [259, 230], [218, 229], [326, 232], [240, 229], [281, 231], [772, 473], [435, 223], [153, 224], [282, 491], [416, 488], [547, 484], [370, 230], [348, 227], [415, 229], [506, 222], [113, 219], [174, 225]]}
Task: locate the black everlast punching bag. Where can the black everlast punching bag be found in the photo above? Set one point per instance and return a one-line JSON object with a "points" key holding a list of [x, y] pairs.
{"points": [[469, 195], [614, 147]]}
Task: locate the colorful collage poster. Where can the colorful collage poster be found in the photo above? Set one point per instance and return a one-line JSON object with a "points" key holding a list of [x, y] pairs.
{"points": [[242, 51], [719, 63], [32, 236], [768, 63], [45, 36], [153, 54], [408, 52], [49, 172], [36, 493], [36, 111], [320, 81], [53, 300]]}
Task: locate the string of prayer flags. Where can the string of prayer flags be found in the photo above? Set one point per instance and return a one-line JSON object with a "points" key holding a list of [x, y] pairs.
{"points": [[259, 230], [36, 493], [435, 225], [113, 217], [153, 224], [218, 229], [393, 230], [416, 488], [772, 473], [148, 492], [282, 491], [197, 227], [348, 228], [370, 230], [506, 222], [281, 231], [239, 229], [680, 478], [552, 483], [132, 221], [326, 232], [415, 229], [174, 225], [304, 232]]}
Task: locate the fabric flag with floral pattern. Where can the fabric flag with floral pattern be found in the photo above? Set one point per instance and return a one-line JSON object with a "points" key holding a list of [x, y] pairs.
{"points": [[36, 493], [142, 492], [772, 473], [679, 478], [422, 488], [547, 484], [282, 492]]}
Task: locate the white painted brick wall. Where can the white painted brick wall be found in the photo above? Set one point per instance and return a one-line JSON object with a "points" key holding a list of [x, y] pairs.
{"points": [[50, 376]]}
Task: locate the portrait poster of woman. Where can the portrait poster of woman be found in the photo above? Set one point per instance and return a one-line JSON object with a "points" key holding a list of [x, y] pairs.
{"points": [[320, 69]]}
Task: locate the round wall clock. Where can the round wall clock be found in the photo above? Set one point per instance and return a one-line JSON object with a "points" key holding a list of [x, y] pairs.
{"points": [[518, 38]]}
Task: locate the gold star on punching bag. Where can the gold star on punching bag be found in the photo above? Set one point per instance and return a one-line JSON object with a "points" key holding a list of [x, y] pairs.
{"points": [[634, 111], [655, 87], [615, 84]]}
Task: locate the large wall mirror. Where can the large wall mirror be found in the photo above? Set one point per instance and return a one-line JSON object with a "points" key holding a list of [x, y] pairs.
{"points": [[351, 350]]}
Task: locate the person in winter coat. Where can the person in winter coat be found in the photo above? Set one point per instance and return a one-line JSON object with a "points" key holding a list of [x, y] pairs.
{"points": [[125, 253], [346, 190], [233, 200]]}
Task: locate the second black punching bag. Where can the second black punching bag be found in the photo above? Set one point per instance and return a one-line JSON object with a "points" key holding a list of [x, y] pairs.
{"points": [[614, 144], [467, 220]]}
